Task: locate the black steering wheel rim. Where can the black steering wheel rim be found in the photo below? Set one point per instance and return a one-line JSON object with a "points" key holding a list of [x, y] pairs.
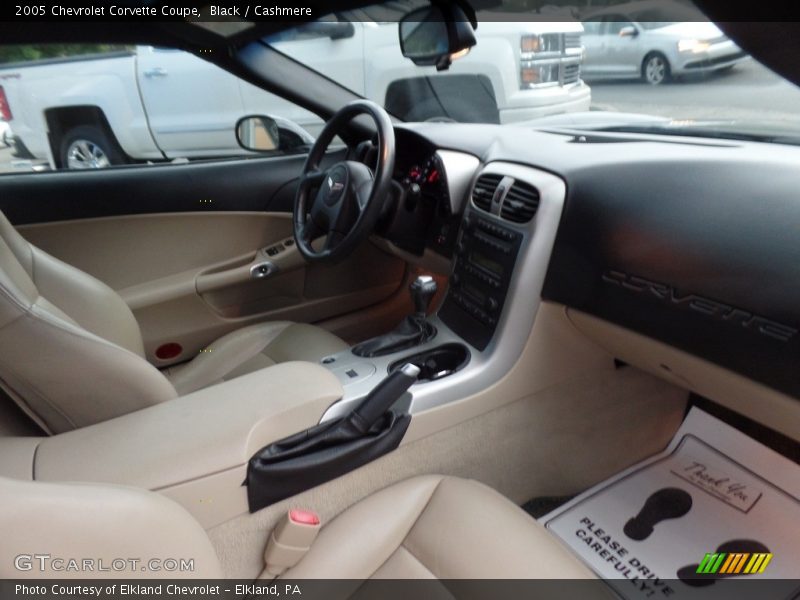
{"points": [[349, 196]]}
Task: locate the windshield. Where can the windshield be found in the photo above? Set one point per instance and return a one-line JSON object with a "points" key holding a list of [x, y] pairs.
{"points": [[565, 61]]}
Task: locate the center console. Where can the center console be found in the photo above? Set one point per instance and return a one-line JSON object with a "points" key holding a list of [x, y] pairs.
{"points": [[486, 254], [501, 256]]}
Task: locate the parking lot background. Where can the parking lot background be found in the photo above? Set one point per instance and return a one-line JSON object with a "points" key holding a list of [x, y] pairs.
{"points": [[748, 92]]}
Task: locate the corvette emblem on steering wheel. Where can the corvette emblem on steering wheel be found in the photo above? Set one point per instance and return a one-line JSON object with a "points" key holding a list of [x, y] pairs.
{"points": [[335, 184], [334, 187]]}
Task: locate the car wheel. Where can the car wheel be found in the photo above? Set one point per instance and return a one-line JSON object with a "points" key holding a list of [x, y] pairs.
{"points": [[89, 147], [7, 140], [655, 69]]}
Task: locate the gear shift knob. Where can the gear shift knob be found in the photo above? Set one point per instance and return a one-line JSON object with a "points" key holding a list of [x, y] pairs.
{"points": [[413, 330], [423, 289]]}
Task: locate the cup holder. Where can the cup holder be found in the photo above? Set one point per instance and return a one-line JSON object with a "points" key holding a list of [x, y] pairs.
{"points": [[437, 362]]}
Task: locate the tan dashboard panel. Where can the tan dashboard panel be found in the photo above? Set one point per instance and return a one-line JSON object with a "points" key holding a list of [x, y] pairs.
{"points": [[743, 395]]}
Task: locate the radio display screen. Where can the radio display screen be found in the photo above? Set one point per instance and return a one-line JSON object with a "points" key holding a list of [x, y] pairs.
{"points": [[494, 267]]}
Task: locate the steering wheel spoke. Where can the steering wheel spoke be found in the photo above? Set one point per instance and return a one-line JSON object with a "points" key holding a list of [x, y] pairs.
{"points": [[312, 179]]}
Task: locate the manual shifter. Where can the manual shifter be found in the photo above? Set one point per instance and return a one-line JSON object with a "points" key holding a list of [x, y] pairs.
{"points": [[412, 331], [422, 289]]}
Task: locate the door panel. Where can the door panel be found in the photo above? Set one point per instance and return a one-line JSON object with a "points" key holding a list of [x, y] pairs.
{"points": [[186, 275], [593, 45], [178, 242], [132, 250], [620, 52]]}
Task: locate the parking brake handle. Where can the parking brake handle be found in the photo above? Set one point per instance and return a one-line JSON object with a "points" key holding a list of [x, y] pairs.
{"points": [[381, 398], [331, 449]]}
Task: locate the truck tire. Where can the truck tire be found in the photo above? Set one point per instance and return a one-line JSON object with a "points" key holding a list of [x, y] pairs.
{"points": [[89, 147]]}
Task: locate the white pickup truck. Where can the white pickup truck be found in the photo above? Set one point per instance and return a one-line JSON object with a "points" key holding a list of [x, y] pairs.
{"points": [[155, 104]]}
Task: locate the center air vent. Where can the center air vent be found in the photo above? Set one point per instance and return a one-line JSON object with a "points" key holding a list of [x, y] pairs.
{"points": [[521, 203], [484, 191]]}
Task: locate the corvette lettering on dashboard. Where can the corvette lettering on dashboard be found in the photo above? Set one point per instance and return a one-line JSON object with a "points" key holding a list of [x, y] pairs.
{"points": [[700, 304]]}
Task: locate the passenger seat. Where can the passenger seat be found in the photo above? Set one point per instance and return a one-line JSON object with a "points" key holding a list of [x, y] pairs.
{"points": [[437, 527], [426, 527]]}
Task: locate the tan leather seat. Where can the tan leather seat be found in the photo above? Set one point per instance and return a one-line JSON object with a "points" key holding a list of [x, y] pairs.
{"points": [[437, 527], [71, 351], [426, 527], [101, 523]]}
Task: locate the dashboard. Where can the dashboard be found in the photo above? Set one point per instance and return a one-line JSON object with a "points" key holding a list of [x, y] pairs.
{"points": [[427, 175], [420, 213], [688, 241]]}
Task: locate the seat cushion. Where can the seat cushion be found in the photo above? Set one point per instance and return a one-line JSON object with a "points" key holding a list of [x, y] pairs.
{"points": [[98, 522], [252, 348], [437, 526]]}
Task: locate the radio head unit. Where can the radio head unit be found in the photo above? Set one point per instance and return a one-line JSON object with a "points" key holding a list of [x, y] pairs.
{"points": [[486, 253]]}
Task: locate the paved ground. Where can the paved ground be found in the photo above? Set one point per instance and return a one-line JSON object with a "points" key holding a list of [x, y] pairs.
{"points": [[749, 91], [11, 164]]}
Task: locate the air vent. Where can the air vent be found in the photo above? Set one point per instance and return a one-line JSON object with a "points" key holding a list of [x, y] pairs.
{"points": [[484, 191], [521, 203]]}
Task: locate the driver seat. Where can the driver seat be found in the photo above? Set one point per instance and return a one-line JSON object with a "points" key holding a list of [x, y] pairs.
{"points": [[71, 351]]}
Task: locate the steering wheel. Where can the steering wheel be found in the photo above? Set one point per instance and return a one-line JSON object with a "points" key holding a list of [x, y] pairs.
{"points": [[349, 197]]}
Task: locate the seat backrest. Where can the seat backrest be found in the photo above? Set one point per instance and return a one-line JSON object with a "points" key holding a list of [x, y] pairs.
{"points": [[71, 351], [98, 526]]}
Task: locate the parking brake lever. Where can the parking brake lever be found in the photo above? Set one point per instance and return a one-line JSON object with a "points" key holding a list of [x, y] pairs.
{"points": [[383, 396], [328, 450]]}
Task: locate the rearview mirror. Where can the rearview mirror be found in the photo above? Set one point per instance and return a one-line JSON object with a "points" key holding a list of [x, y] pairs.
{"points": [[629, 31], [429, 37], [258, 133], [335, 30]]}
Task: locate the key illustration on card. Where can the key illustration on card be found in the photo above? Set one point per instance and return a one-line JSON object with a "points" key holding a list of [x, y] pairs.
{"points": [[664, 504]]}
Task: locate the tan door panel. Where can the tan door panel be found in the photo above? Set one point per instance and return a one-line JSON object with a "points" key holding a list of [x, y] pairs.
{"points": [[133, 249], [187, 275]]}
